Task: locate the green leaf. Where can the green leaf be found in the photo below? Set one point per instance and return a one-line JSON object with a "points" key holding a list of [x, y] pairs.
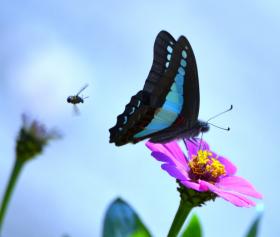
{"points": [[253, 231], [122, 221], [194, 228]]}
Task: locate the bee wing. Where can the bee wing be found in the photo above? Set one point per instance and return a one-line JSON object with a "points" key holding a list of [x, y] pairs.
{"points": [[76, 110], [84, 87]]}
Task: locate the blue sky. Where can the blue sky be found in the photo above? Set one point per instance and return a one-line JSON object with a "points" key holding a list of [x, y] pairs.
{"points": [[49, 49]]}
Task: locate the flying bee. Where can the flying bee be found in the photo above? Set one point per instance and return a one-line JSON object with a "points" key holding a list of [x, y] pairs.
{"points": [[76, 99]]}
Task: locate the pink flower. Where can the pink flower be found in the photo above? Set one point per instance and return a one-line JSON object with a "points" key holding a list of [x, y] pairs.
{"points": [[204, 171]]}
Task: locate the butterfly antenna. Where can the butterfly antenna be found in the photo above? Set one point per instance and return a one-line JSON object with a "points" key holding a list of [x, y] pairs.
{"points": [[226, 129], [217, 115]]}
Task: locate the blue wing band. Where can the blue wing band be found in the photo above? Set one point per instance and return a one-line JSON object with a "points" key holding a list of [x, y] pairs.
{"points": [[172, 106]]}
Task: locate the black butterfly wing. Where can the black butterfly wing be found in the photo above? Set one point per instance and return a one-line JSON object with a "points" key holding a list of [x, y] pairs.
{"points": [[185, 125], [168, 105], [141, 109]]}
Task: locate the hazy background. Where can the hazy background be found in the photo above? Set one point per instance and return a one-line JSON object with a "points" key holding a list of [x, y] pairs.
{"points": [[50, 49]]}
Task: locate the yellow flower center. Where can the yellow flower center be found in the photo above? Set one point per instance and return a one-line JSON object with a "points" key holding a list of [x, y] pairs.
{"points": [[205, 166]]}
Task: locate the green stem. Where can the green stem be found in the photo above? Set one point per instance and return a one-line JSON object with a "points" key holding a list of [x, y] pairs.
{"points": [[179, 219], [9, 189]]}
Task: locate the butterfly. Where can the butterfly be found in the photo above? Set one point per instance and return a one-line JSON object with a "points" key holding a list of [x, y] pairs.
{"points": [[167, 107]]}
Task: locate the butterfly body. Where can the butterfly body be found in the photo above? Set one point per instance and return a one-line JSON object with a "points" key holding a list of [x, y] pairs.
{"points": [[167, 107], [182, 131]]}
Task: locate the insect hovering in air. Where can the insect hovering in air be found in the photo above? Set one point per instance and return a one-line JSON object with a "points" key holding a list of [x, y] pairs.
{"points": [[76, 99]]}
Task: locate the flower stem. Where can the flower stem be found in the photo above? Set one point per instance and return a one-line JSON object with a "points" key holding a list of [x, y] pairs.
{"points": [[9, 189], [179, 219]]}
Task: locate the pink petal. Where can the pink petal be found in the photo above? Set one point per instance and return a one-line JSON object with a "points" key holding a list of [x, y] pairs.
{"points": [[230, 167], [204, 145], [235, 198], [191, 185], [162, 157], [176, 151], [192, 147], [238, 184], [201, 187], [158, 147], [175, 172], [175, 157]]}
